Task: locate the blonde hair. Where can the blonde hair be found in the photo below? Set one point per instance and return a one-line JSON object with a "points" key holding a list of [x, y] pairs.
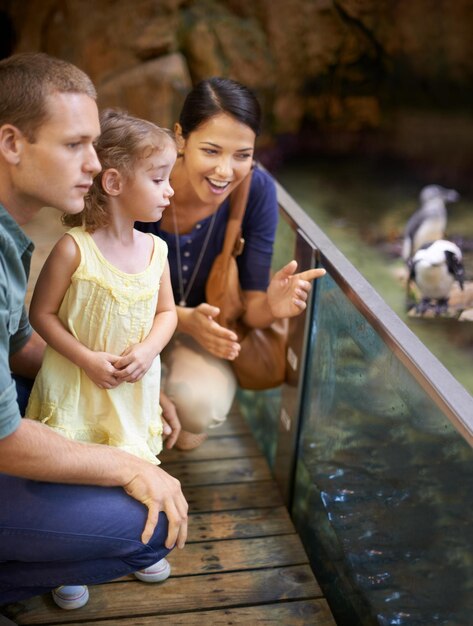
{"points": [[27, 79], [123, 141]]}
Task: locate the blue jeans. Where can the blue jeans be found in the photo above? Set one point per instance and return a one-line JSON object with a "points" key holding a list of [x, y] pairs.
{"points": [[23, 390], [53, 534]]}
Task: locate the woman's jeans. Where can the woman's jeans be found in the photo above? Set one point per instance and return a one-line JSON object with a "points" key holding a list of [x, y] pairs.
{"points": [[54, 534]]}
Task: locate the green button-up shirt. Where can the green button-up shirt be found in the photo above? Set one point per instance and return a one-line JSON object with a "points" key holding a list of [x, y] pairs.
{"points": [[15, 330]]}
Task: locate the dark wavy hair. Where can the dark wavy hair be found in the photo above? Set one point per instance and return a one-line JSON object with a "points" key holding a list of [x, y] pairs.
{"points": [[219, 95]]}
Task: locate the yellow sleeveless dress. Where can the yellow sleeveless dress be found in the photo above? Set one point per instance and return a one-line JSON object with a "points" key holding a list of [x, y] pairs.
{"points": [[107, 310]]}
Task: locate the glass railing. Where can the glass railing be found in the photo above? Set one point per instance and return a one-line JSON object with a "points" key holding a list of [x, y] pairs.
{"points": [[370, 440]]}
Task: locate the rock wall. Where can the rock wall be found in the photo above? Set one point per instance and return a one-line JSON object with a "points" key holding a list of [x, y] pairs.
{"points": [[389, 76]]}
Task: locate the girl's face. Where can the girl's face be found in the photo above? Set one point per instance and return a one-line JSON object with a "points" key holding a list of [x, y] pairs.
{"points": [[217, 156], [147, 193]]}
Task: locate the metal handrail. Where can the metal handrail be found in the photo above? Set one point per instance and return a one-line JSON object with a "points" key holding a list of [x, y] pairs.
{"points": [[443, 388]]}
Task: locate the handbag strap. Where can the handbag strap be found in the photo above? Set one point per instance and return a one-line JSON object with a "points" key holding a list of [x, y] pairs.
{"points": [[233, 243]]}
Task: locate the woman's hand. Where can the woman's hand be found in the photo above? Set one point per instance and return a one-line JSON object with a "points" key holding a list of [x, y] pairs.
{"points": [[287, 292], [201, 325], [171, 423]]}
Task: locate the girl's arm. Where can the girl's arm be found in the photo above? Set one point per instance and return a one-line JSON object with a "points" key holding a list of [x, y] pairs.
{"points": [[137, 359], [50, 289]]}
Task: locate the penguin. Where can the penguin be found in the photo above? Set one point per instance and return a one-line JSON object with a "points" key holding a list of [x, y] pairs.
{"points": [[429, 222], [434, 269]]}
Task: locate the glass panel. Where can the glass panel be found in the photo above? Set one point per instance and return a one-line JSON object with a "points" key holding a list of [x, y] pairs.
{"points": [[384, 483], [261, 409]]}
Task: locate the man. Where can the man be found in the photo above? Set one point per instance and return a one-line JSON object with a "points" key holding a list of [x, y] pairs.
{"points": [[71, 513]]}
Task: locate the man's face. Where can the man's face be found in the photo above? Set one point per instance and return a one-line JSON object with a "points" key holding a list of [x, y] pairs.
{"points": [[57, 169]]}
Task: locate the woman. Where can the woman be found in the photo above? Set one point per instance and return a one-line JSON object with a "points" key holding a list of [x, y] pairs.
{"points": [[216, 135]]}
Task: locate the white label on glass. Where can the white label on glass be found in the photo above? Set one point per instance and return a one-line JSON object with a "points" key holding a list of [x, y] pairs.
{"points": [[285, 420], [292, 358]]}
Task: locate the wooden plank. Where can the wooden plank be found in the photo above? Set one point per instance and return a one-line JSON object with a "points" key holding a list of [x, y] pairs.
{"points": [[239, 524], [234, 425], [239, 496], [176, 595], [237, 554], [220, 472], [295, 613], [214, 448], [243, 564]]}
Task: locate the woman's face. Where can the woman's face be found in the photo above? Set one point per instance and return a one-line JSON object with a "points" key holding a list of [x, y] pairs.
{"points": [[217, 156]]}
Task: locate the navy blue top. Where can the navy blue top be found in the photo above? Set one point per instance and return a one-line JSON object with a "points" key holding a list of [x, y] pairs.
{"points": [[258, 230]]}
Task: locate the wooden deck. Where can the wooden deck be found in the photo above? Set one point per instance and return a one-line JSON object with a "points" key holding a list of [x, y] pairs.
{"points": [[243, 563]]}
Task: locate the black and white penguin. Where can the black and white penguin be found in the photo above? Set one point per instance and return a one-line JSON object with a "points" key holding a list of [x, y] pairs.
{"points": [[429, 222], [434, 269]]}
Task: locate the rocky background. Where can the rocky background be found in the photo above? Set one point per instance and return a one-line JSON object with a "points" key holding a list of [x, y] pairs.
{"points": [[387, 77]]}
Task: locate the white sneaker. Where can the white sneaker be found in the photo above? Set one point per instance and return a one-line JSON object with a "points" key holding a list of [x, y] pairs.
{"points": [[71, 596], [154, 573]]}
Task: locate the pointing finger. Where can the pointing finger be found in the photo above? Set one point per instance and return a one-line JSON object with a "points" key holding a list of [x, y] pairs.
{"points": [[312, 274]]}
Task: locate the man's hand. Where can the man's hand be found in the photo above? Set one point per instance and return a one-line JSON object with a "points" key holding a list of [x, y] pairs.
{"points": [[159, 491], [37, 452]]}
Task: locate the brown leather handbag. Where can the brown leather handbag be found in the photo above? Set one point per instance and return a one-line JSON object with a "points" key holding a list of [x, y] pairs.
{"points": [[261, 363]]}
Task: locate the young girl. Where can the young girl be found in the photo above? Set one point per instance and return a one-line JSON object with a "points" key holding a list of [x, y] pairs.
{"points": [[96, 302]]}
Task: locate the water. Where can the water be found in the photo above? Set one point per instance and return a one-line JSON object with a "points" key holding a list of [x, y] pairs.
{"points": [[363, 205], [384, 481]]}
